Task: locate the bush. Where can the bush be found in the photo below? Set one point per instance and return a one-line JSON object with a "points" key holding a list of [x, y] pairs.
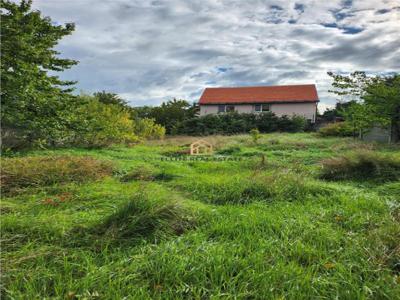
{"points": [[234, 123], [362, 166], [18, 173], [336, 129], [148, 129], [98, 125]]}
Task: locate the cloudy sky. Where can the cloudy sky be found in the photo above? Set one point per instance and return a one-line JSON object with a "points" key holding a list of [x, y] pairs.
{"points": [[152, 51]]}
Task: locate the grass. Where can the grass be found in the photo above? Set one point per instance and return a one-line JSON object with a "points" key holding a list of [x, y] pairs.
{"points": [[265, 227], [362, 166]]}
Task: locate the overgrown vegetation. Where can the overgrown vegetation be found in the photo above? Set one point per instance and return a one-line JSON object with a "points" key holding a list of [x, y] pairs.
{"points": [[362, 166], [214, 229], [39, 171], [337, 129]]}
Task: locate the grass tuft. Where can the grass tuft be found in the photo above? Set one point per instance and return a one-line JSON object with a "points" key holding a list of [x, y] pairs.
{"points": [[142, 217]]}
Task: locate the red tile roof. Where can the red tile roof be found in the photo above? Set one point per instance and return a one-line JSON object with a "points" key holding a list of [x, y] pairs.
{"points": [[260, 94]]}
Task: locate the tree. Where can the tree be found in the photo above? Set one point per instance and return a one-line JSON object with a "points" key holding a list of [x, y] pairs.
{"points": [[169, 114], [384, 96], [351, 89], [110, 98], [332, 113], [32, 100], [374, 100]]}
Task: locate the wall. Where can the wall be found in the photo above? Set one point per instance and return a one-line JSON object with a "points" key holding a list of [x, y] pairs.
{"points": [[307, 110]]}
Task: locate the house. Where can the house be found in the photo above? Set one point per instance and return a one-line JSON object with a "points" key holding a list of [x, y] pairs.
{"points": [[282, 100]]}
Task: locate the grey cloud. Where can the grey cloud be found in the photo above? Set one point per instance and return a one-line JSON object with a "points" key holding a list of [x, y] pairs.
{"points": [[150, 51]]}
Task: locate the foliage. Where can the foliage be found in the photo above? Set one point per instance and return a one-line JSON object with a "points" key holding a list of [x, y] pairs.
{"points": [[362, 166], [255, 135], [332, 113], [169, 114], [148, 129], [375, 100], [384, 97], [233, 123], [19, 173], [33, 102], [337, 129], [97, 125], [110, 98]]}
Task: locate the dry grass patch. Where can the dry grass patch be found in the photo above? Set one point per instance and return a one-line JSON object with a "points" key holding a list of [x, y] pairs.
{"points": [[19, 173]]}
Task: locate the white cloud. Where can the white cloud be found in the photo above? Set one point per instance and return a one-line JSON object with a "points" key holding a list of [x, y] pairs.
{"points": [[151, 51]]}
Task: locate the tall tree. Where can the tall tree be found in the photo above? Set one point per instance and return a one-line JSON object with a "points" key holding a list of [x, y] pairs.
{"points": [[110, 98], [32, 100], [384, 96]]}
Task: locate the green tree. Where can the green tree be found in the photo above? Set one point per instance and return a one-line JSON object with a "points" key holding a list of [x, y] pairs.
{"points": [[32, 100], [169, 114], [110, 98], [351, 90], [384, 96]]}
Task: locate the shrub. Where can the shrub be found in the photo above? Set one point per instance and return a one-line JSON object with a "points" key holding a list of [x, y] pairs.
{"points": [[98, 125], [24, 172], [362, 166], [148, 129], [336, 129], [234, 123]]}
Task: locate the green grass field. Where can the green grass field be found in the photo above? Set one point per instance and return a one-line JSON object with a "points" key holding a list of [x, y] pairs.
{"points": [[237, 229]]}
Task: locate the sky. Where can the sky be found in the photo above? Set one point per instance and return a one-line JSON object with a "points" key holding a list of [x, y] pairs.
{"points": [[152, 51]]}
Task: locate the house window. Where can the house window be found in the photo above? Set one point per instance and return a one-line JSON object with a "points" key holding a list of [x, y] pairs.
{"points": [[221, 108], [229, 108], [265, 107], [261, 107]]}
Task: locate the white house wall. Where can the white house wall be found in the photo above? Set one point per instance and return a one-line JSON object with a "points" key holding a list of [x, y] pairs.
{"points": [[307, 110]]}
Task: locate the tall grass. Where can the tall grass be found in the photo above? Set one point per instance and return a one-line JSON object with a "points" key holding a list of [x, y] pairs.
{"points": [[226, 189], [143, 217], [18, 173], [362, 165]]}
